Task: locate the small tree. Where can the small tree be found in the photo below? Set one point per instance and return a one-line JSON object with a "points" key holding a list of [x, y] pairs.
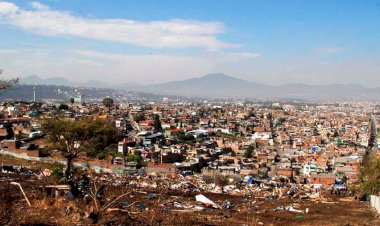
{"points": [[248, 153], [157, 124], [345, 179], [135, 156], [369, 176], [138, 118], [291, 142], [7, 83], [292, 161], [9, 129], [63, 107], [107, 102], [72, 101], [72, 137]]}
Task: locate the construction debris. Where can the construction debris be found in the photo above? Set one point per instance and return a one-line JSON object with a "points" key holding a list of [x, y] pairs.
{"points": [[207, 202]]}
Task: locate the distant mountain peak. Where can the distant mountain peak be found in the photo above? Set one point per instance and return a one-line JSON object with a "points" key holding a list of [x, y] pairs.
{"points": [[31, 80], [215, 75], [32, 77], [218, 76], [60, 81]]}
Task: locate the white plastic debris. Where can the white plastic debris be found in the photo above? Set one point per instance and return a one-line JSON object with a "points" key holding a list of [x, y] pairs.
{"points": [[207, 202], [291, 209]]}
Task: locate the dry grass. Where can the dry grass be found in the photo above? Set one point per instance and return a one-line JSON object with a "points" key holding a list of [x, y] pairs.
{"points": [[40, 203]]}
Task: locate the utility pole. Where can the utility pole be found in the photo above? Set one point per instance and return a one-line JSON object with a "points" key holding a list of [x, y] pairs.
{"points": [[161, 155]]}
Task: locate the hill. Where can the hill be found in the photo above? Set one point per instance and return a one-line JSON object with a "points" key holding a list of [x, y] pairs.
{"points": [[224, 86], [219, 85]]}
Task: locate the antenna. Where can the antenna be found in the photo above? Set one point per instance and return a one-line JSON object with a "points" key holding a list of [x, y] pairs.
{"points": [[34, 94]]}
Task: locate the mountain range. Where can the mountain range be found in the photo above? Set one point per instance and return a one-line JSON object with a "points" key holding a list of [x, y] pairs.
{"points": [[219, 85], [59, 81], [224, 86]]}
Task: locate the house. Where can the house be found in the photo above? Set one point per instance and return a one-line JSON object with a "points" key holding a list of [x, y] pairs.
{"points": [[124, 144], [309, 168], [287, 172], [154, 139], [323, 178], [208, 144], [162, 168]]}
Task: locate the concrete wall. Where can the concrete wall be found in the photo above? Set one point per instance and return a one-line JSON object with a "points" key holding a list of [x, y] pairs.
{"points": [[100, 168], [375, 202]]}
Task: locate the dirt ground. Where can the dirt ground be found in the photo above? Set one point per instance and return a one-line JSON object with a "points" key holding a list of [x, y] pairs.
{"points": [[146, 208], [158, 207]]}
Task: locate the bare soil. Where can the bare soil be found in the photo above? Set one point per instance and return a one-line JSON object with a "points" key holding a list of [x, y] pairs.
{"points": [[155, 207]]}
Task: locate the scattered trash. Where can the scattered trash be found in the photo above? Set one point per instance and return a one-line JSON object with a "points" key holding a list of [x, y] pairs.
{"points": [[187, 208], [299, 216], [69, 195], [326, 202], [22, 190], [207, 202], [292, 209], [314, 196], [227, 205], [67, 210]]}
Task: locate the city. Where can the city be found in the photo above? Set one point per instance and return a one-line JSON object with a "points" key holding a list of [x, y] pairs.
{"points": [[189, 113], [282, 152]]}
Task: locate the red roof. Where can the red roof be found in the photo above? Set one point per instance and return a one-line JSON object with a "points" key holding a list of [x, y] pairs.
{"points": [[146, 122], [15, 119], [176, 130]]}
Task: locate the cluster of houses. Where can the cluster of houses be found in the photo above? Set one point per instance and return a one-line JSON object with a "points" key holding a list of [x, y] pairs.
{"points": [[312, 143]]}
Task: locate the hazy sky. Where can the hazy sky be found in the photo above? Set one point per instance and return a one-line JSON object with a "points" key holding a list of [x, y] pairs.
{"points": [[274, 42]]}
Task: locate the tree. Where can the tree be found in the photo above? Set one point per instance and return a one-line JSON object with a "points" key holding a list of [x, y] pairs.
{"points": [[9, 128], [248, 153], [182, 137], [291, 141], [7, 83], [135, 156], [345, 179], [336, 134], [107, 102], [292, 161], [72, 101], [138, 118], [157, 124], [72, 137], [369, 176], [63, 107]]}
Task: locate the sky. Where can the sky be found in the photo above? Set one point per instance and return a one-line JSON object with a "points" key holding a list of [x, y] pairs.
{"points": [[148, 41]]}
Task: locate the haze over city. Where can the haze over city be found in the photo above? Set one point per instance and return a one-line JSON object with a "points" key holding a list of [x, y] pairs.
{"points": [[148, 42]]}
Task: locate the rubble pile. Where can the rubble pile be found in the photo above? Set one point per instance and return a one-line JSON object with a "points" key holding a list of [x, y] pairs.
{"points": [[268, 189]]}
